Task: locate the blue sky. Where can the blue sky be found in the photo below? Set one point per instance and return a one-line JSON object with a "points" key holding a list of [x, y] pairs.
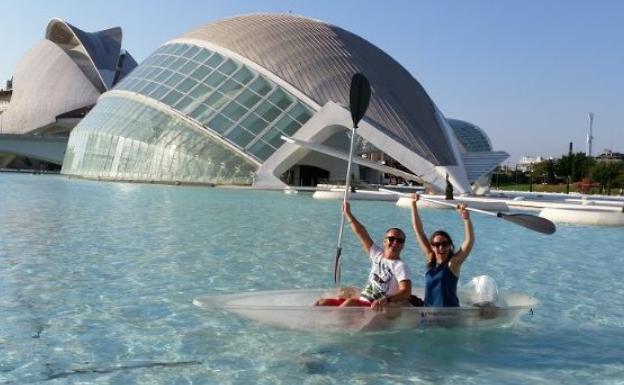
{"points": [[527, 72]]}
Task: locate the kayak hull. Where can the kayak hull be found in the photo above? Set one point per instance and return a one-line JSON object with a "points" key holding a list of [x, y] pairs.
{"points": [[293, 309]]}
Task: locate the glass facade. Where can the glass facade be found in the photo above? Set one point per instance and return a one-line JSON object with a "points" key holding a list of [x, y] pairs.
{"points": [[471, 137], [128, 140], [223, 96]]}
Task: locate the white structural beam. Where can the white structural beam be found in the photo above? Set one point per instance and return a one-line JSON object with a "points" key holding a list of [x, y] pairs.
{"points": [[333, 118]]}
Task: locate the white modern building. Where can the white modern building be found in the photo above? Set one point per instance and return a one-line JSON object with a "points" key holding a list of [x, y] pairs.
{"points": [[212, 105], [58, 80]]}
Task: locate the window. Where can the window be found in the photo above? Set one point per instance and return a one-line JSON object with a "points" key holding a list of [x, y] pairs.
{"points": [[243, 75], [186, 85], [220, 124], [228, 67], [280, 99], [200, 91], [260, 86], [248, 99], [240, 136]]}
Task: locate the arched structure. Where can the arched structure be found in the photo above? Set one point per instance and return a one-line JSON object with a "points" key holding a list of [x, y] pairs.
{"points": [[211, 106]]}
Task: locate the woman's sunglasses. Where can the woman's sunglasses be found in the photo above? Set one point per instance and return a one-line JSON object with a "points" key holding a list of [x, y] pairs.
{"points": [[438, 244]]}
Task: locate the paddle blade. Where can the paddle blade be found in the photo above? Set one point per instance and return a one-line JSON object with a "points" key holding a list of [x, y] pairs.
{"points": [[359, 96], [532, 222]]}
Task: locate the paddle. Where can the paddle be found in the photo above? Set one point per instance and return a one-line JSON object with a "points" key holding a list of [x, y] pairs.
{"points": [[359, 97], [531, 222]]}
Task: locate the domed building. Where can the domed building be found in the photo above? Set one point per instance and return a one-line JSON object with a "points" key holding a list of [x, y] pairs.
{"points": [[60, 78], [212, 106]]}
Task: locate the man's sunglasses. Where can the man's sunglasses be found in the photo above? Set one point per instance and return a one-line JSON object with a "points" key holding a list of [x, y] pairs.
{"points": [[395, 239]]}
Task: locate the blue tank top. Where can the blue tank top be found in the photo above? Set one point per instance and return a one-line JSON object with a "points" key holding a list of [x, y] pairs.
{"points": [[441, 287]]}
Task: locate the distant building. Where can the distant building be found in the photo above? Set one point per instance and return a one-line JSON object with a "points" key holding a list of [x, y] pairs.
{"points": [[211, 106], [526, 162], [610, 156], [59, 79]]}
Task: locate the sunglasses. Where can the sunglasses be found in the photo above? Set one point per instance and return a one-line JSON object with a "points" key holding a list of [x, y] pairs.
{"points": [[395, 239], [438, 244]]}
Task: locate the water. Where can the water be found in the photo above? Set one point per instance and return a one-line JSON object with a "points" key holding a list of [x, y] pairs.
{"points": [[97, 279]]}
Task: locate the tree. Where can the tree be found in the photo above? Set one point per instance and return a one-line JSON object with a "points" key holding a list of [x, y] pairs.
{"points": [[606, 173], [577, 165], [545, 170]]}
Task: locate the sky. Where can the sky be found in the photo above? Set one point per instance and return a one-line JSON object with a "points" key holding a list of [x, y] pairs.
{"points": [[527, 72]]}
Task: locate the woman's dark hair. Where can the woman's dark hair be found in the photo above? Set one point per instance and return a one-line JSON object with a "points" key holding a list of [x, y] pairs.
{"points": [[446, 235]]}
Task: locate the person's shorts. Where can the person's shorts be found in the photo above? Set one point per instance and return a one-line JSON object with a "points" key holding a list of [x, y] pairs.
{"points": [[339, 301]]}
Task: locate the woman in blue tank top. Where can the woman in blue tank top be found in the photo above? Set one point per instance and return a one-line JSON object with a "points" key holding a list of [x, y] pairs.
{"points": [[443, 262]]}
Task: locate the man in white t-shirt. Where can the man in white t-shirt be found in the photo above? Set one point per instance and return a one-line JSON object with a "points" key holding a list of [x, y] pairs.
{"points": [[389, 279]]}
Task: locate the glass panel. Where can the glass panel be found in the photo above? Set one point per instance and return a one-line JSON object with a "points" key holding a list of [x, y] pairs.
{"points": [[240, 136], [280, 99], [140, 84], [254, 123], [217, 100], [188, 67], [234, 111], [179, 62], [167, 62], [243, 75], [179, 50], [248, 99], [153, 73], [214, 60], [174, 79], [230, 88], [200, 72], [273, 137], [260, 86], [228, 67], [172, 98], [220, 124], [300, 113], [200, 91], [186, 85], [287, 125], [214, 79], [202, 111], [168, 48], [160, 60], [184, 102], [164, 75], [268, 112], [261, 150], [202, 55], [189, 54], [159, 92]]}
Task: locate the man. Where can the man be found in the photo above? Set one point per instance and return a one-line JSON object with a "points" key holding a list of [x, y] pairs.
{"points": [[389, 280]]}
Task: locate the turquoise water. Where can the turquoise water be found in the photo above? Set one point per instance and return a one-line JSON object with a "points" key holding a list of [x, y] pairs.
{"points": [[97, 279]]}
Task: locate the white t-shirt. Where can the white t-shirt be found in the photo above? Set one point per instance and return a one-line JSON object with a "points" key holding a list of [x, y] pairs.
{"points": [[385, 275]]}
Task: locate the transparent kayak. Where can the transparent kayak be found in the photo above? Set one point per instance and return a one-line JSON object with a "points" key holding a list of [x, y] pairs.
{"points": [[294, 309]]}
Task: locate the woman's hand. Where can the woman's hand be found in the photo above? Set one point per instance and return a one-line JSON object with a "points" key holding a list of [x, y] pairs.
{"points": [[465, 214]]}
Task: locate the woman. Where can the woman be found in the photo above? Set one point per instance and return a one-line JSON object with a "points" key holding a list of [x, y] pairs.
{"points": [[443, 262]]}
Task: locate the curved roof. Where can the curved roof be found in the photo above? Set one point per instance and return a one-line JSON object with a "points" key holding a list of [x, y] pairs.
{"points": [[319, 60], [46, 83], [473, 138], [101, 49]]}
